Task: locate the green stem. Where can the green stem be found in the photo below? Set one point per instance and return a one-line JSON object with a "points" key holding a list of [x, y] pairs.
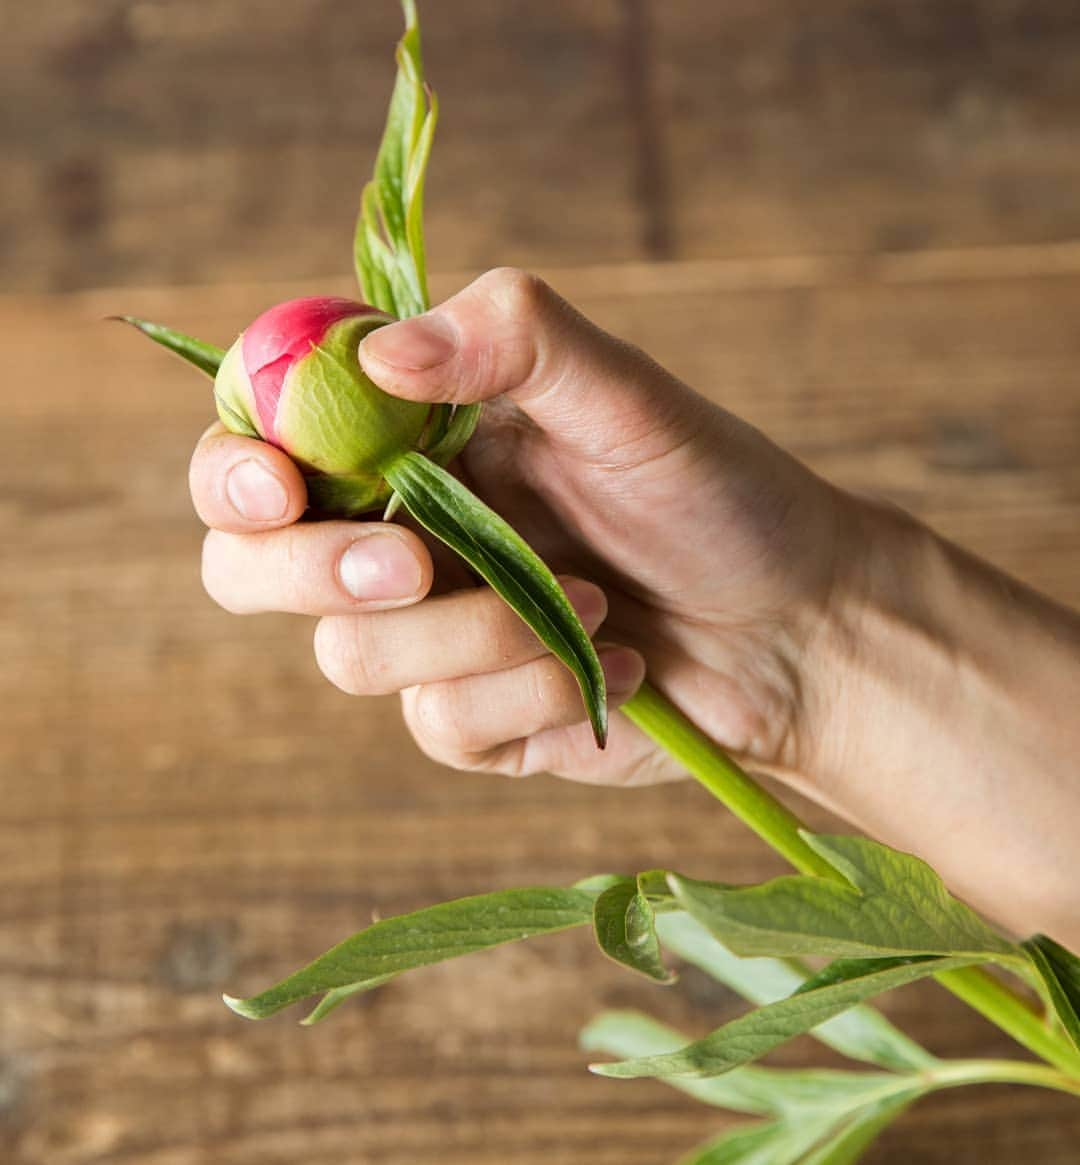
{"points": [[954, 1073], [777, 825], [771, 821]]}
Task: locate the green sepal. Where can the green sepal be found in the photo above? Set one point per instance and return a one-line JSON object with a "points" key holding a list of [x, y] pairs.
{"points": [[460, 426], [344, 495], [442, 505], [206, 357]]}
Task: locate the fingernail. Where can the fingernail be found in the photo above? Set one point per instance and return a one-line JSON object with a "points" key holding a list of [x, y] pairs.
{"points": [[415, 344], [380, 566], [255, 493], [624, 670]]}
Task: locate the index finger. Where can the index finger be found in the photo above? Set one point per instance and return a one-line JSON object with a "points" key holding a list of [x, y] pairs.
{"points": [[240, 485]]}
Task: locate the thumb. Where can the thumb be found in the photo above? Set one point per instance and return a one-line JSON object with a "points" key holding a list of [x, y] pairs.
{"points": [[509, 333]]}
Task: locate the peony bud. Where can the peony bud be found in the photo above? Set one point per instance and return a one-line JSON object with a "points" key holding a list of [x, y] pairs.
{"points": [[293, 378]]}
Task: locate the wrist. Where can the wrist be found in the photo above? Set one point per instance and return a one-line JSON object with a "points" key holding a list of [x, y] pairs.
{"points": [[943, 720]]}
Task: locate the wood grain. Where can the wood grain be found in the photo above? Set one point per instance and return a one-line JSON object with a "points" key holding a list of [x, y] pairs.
{"points": [[188, 141], [149, 141], [874, 212], [188, 808], [852, 125]]}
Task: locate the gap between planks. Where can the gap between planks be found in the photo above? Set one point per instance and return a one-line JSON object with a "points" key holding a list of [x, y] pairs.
{"points": [[637, 280]]}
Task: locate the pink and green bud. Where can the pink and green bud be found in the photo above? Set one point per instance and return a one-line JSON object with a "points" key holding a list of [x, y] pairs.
{"points": [[294, 379]]}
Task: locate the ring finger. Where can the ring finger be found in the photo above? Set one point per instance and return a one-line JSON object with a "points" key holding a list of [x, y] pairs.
{"points": [[461, 722]]}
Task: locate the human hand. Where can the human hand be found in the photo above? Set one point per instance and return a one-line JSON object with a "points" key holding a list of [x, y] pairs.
{"points": [[715, 551]]}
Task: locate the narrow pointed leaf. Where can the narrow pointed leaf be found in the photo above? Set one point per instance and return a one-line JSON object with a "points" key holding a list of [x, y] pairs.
{"points": [[440, 503], [373, 258], [862, 1033], [433, 935], [892, 904], [751, 1089], [334, 999], [1059, 969], [388, 245], [205, 357], [625, 930], [751, 1036]]}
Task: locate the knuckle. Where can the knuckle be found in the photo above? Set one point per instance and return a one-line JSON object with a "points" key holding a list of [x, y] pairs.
{"points": [[506, 637], [546, 691], [439, 725], [347, 657], [521, 294]]}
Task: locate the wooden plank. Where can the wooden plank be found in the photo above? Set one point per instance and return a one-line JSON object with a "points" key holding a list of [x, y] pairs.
{"points": [[190, 142], [850, 125], [194, 142], [189, 808]]}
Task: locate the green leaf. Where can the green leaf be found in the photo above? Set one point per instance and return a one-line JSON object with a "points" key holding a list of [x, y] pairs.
{"points": [[765, 1091], [829, 1114], [848, 1145], [893, 904], [432, 935], [751, 1036], [388, 245], [205, 357], [1059, 970], [440, 503], [861, 1033], [625, 930], [335, 998], [774, 1143], [826, 1137], [596, 884]]}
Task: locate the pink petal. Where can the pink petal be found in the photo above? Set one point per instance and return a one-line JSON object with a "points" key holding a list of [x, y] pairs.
{"points": [[281, 336]]}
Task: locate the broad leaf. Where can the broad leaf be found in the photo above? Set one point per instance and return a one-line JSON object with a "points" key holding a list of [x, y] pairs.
{"points": [[441, 932], [1059, 969], [205, 357], [862, 1033], [440, 503], [625, 929], [892, 904], [750, 1036]]}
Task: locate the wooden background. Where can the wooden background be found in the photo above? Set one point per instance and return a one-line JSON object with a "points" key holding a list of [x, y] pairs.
{"points": [[855, 222]]}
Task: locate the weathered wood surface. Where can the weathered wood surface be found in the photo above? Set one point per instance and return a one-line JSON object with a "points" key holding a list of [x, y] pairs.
{"points": [[189, 808], [151, 141]]}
